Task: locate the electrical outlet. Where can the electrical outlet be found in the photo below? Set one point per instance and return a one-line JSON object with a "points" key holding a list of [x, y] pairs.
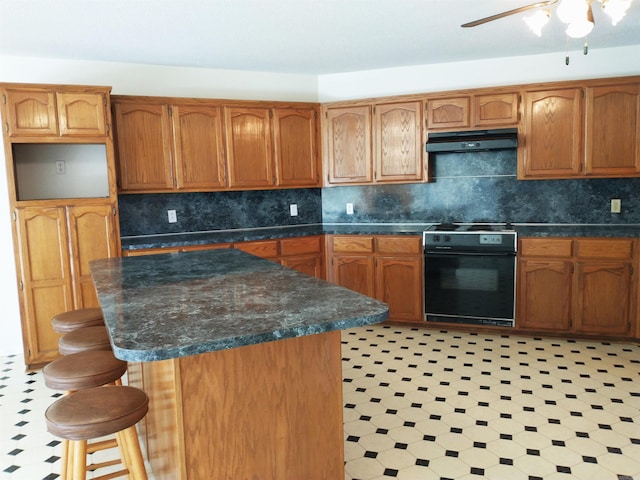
{"points": [[349, 208], [616, 205], [61, 168], [171, 214], [293, 210]]}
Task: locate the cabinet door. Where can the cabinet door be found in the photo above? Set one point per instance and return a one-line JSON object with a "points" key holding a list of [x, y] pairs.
{"points": [[92, 236], [263, 248], [445, 113], [603, 297], [553, 134], [198, 147], [355, 272], [495, 110], [249, 150], [544, 294], [399, 284], [295, 146], [82, 113], [309, 264], [349, 145], [613, 130], [143, 135], [398, 141], [46, 285], [31, 112]]}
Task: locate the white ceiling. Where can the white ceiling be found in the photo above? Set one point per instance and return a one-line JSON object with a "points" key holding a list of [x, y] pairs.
{"points": [[290, 36]]}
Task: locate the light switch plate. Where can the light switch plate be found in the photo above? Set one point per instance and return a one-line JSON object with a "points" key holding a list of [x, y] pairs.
{"points": [[616, 205], [171, 214]]}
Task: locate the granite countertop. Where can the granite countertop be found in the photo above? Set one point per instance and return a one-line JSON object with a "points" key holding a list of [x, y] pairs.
{"points": [[165, 306], [240, 235]]}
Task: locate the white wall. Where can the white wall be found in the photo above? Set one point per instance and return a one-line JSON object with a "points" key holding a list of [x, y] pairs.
{"points": [[610, 62], [133, 79]]}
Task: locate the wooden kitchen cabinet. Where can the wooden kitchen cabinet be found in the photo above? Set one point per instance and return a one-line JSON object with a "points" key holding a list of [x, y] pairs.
{"points": [[386, 267], [482, 110], [249, 149], [295, 142], [48, 112], [582, 131], [348, 137], [143, 139], [377, 143], [304, 254], [613, 130], [553, 131], [581, 285], [399, 276], [495, 110], [448, 113], [398, 142], [164, 147], [55, 246]]}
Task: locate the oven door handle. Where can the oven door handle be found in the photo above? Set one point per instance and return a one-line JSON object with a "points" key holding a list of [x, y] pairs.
{"points": [[450, 253]]}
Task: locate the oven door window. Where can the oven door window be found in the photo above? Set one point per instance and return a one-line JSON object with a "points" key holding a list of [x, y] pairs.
{"points": [[479, 286]]}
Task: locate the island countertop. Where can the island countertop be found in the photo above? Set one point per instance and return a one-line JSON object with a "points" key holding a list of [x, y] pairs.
{"points": [[165, 306]]}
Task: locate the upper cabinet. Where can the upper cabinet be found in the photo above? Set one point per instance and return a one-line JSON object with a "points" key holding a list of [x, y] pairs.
{"points": [[583, 130], [613, 130], [482, 110], [375, 143], [249, 147], [43, 112], [167, 145]]}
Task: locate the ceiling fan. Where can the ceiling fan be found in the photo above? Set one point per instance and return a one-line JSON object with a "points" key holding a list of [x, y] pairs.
{"points": [[577, 14]]}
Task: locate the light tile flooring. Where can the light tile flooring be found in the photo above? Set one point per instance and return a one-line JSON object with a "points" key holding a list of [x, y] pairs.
{"points": [[427, 404]]}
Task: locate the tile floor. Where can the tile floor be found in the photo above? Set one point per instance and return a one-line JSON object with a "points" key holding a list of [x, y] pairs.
{"points": [[427, 404]]}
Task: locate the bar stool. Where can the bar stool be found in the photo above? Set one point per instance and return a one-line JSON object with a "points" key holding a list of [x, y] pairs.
{"points": [[96, 412], [65, 322], [83, 339], [93, 368]]}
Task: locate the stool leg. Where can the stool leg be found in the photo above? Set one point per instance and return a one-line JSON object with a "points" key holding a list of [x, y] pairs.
{"points": [[66, 466], [79, 448], [134, 457]]}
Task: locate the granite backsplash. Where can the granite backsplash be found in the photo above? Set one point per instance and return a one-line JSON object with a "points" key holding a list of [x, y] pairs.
{"points": [[466, 188]]}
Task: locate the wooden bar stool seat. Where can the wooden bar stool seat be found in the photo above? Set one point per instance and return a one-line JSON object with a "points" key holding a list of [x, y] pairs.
{"points": [[66, 322], [96, 412], [83, 339], [89, 369]]}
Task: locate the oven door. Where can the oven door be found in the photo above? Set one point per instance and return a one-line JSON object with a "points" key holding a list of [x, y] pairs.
{"points": [[474, 288]]}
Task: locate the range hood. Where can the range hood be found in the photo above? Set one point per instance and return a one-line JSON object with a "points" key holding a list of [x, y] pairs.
{"points": [[473, 141]]}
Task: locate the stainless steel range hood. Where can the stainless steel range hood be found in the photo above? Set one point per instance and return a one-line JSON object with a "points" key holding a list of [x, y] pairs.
{"points": [[473, 141]]}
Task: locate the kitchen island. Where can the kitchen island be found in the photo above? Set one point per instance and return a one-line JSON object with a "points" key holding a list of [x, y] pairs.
{"points": [[240, 358]]}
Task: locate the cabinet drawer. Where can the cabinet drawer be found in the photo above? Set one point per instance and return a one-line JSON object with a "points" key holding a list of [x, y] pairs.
{"points": [[266, 249], [545, 247], [352, 244], [408, 245], [604, 248], [301, 245]]}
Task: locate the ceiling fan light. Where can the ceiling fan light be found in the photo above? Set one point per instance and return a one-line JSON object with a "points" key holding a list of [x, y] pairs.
{"points": [[537, 21], [580, 28], [615, 9], [570, 11]]}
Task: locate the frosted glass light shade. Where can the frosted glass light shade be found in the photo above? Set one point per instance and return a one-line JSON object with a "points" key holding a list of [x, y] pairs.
{"points": [[615, 9], [537, 21], [570, 11]]}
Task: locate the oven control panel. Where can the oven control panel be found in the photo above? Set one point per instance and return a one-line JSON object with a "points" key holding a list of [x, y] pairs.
{"points": [[490, 239]]}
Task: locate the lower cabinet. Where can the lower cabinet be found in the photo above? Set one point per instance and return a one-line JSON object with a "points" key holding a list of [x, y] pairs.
{"points": [[385, 267], [581, 285], [55, 246]]}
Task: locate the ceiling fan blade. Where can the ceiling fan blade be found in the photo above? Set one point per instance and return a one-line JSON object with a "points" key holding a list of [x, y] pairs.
{"points": [[508, 13]]}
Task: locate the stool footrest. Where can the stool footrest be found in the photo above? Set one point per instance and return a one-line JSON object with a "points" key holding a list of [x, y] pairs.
{"points": [[108, 463], [102, 445], [119, 473]]}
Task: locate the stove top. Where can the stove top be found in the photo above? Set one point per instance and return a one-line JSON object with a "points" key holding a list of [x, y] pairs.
{"points": [[470, 227]]}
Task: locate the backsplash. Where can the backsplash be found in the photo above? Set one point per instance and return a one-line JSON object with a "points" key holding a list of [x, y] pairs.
{"points": [[482, 187], [196, 212], [478, 187]]}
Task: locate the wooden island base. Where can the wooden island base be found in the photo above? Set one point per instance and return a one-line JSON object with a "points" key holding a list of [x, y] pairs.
{"points": [[270, 411]]}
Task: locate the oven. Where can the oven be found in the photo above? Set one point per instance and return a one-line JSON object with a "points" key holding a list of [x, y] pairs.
{"points": [[470, 274]]}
